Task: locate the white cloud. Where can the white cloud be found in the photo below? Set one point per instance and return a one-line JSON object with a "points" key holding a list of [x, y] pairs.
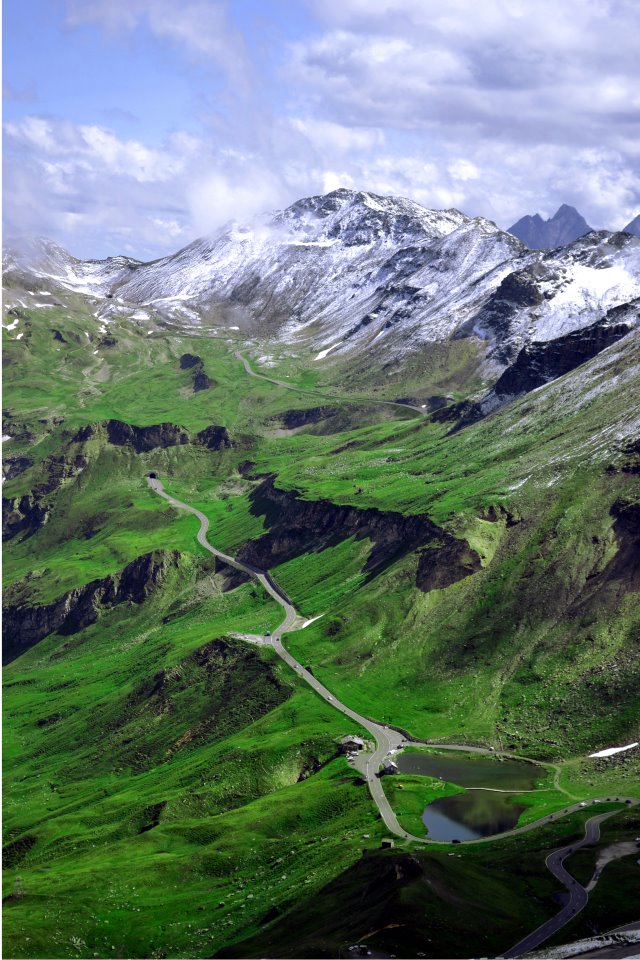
{"points": [[329, 137], [199, 27], [500, 108], [218, 196]]}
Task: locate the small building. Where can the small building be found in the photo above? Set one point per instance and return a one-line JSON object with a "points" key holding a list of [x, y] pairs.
{"points": [[386, 843], [351, 744], [389, 767]]}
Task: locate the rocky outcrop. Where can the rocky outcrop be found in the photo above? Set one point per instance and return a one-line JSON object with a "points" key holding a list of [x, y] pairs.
{"points": [[214, 438], [291, 419], [191, 361], [445, 562], [142, 439], [14, 466], [22, 515], [518, 290], [25, 515], [298, 526], [625, 565], [540, 362], [202, 382], [24, 626], [159, 435]]}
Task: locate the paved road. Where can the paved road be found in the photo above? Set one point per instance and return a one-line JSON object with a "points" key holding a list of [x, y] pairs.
{"points": [[325, 396], [385, 738], [388, 740], [578, 896]]}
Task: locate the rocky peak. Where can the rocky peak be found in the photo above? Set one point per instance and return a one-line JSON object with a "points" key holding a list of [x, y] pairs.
{"points": [[565, 226], [355, 218], [633, 227]]}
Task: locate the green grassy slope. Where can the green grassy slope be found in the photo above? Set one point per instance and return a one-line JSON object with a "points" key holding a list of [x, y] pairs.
{"points": [[158, 767]]}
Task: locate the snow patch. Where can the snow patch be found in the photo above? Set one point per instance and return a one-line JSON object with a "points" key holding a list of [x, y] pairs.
{"points": [[13, 324], [323, 353], [5, 437], [312, 243], [20, 336], [519, 484], [313, 620], [612, 750]]}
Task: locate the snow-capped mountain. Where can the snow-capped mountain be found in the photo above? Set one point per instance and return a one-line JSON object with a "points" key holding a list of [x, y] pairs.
{"points": [[46, 260], [563, 227], [353, 274]]}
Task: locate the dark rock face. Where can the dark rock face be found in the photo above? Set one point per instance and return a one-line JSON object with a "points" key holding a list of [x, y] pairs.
{"points": [[538, 363], [445, 563], [214, 438], [630, 450], [633, 227], [299, 526], [191, 361], [565, 226], [143, 439], [26, 514], [24, 626], [14, 466], [625, 565], [543, 361], [22, 515], [518, 290], [291, 419], [202, 382]]}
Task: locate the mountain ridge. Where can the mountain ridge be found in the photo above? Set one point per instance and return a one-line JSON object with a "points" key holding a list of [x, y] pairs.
{"points": [[565, 226]]}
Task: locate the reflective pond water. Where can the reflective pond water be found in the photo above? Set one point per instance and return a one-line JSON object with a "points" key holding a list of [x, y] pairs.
{"points": [[466, 816], [469, 771], [477, 813]]}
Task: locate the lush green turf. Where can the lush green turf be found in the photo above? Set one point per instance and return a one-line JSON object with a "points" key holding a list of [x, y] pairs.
{"points": [[156, 766]]}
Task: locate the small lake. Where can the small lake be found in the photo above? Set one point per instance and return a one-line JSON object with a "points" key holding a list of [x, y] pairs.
{"points": [[468, 771], [478, 813], [467, 816]]}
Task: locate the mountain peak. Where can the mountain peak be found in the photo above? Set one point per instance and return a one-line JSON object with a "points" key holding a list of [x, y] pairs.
{"points": [[633, 226], [566, 225], [357, 218]]}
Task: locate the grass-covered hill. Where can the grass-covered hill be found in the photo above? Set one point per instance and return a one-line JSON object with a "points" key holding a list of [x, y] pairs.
{"points": [[171, 789]]}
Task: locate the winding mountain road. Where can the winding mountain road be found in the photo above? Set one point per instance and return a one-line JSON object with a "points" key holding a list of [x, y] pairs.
{"points": [[325, 396], [389, 740], [578, 895]]}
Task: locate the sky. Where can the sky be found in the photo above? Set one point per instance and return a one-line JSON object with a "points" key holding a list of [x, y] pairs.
{"points": [[134, 126]]}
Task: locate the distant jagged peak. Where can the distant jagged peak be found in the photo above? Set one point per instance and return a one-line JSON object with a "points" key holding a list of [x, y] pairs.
{"points": [[633, 226], [565, 226]]}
